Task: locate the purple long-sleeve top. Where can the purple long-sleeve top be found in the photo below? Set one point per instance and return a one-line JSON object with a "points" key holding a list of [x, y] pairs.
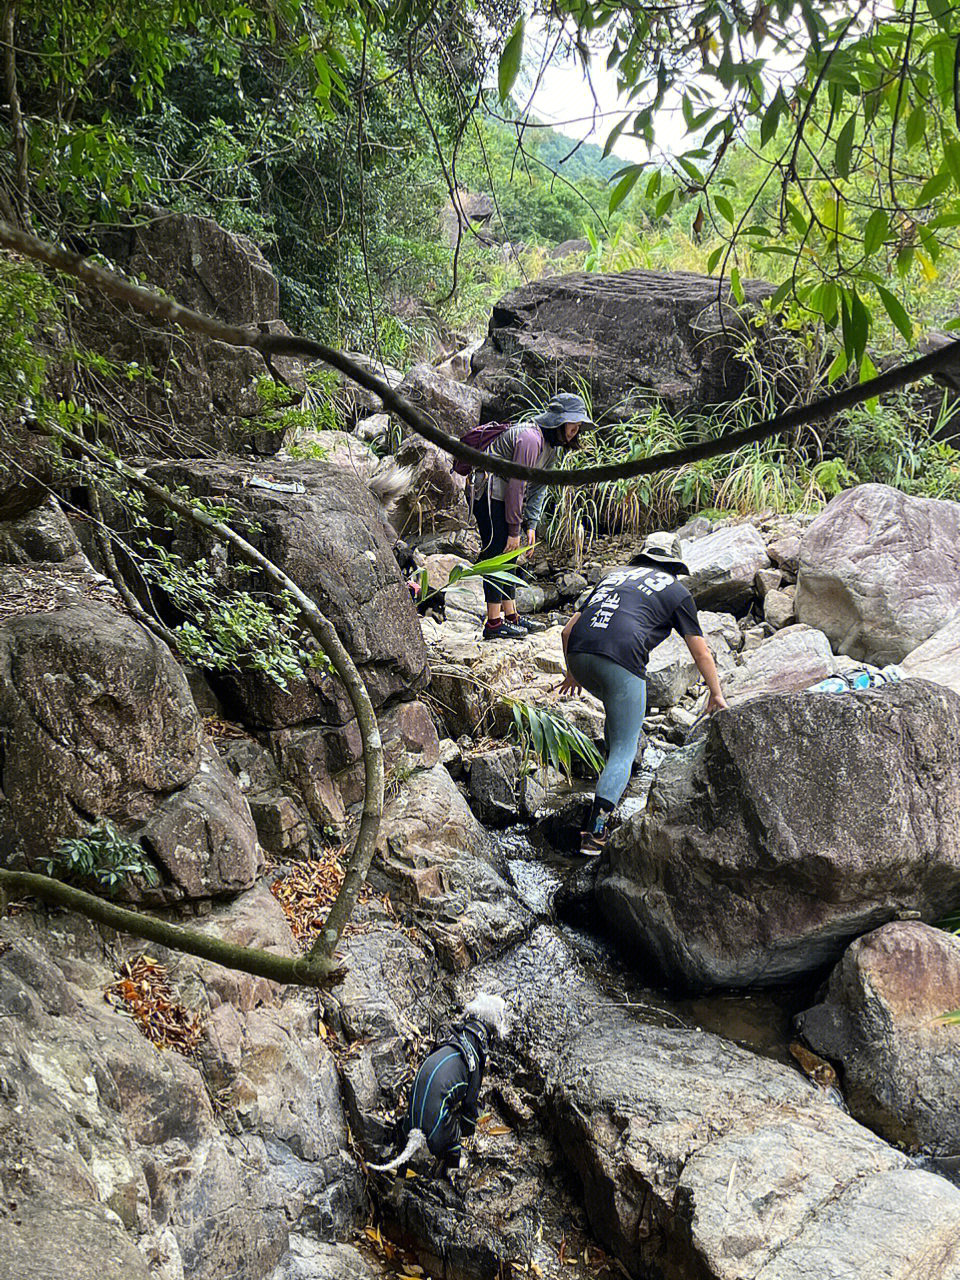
{"points": [[524, 443]]}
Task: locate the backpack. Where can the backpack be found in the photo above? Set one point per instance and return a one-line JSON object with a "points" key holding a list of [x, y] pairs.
{"points": [[479, 438]]}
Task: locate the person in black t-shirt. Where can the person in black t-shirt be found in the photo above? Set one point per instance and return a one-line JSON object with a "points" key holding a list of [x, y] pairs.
{"points": [[606, 646]]}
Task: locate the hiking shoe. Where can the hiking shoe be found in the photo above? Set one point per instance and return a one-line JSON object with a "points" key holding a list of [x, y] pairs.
{"points": [[526, 624], [592, 843], [505, 631]]}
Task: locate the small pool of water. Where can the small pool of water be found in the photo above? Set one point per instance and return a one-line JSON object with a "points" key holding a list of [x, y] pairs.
{"points": [[758, 1020]]}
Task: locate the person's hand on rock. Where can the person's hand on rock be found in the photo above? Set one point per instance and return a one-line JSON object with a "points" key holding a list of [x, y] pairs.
{"points": [[569, 688]]}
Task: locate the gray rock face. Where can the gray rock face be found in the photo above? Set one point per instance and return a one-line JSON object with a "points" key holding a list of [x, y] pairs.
{"points": [[311, 1260], [436, 853], [494, 778], [331, 537], [44, 534], [938, 658], [792, 659], [99, 723], [452, 406], [880, 572], [723, 566], [793, 824], [628, 336], [111, 1150], [205, 389], [878, 1019]]}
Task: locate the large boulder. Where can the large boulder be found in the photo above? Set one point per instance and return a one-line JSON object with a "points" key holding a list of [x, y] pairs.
{"points": [[41, 536], [791, 825], [452, 406], [99, 724], [880, 571], [628, 337], [201, 391], [938, 658], [723, 566], [326, 530], [790, 660], [879, 1019], [698, 1158], [434, 852]]}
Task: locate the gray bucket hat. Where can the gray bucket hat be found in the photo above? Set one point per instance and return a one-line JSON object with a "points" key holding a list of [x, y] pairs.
{"points": [[565, 406], [659, 556]]}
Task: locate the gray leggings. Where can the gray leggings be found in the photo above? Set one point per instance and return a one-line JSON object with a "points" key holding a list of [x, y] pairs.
{"points": [[624, 698]]}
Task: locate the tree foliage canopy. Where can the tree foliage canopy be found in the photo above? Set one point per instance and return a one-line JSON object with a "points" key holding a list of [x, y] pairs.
{"points": [[851, 113]]}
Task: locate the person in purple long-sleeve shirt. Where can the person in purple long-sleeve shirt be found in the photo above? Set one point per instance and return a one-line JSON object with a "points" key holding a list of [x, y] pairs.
{"points": [[504, 508]]}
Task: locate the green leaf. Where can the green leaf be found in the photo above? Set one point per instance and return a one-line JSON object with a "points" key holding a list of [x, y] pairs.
{"points": [[894, 309], [771, 118], [724, 208], [664, 203], [935, 186], [736, 288], [868, 370], [837, 369], [844, 147], [614, 134], [653, 186], [781, 295], [715, 257], [624, 187], [916, 126], [951, 154], [510, 59], [875, 232]]}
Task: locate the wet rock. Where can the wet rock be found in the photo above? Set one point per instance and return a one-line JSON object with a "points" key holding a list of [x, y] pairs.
{"points": [[938, 658], [880, 571], [99, 724], [878, 1020], [699, 1158], [723, 566], [330, 534], [792, 659], [757, 859], [452, 406], [625, 335]]}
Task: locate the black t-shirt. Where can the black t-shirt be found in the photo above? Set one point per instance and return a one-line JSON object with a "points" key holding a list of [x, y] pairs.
{"points": [[629, 613]]}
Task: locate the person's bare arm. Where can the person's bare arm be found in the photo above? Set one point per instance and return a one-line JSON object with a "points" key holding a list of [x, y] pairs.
{"points": [[700, 652], [569, 684]]}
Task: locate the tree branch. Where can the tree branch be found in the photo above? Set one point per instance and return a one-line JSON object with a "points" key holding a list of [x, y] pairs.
{"points": [[17, 129], [160, 308], [308, 971]]}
